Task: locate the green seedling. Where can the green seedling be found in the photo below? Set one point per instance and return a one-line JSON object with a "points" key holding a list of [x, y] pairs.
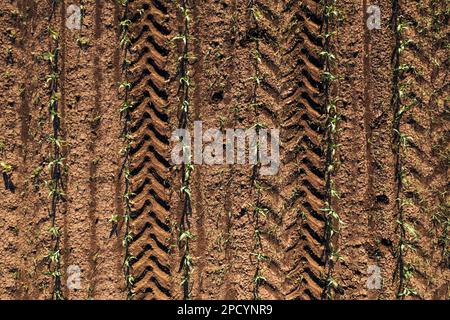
{"points": [[123, 3], [49, 56], [12, 35], [256, 13], [7, 75], [14, 230], [56, 165], [408, 234], [327, 56], [36, 172], [6, 167], [83, 42], [53, 34], [329, 79], [125, 85], [259, 279]]}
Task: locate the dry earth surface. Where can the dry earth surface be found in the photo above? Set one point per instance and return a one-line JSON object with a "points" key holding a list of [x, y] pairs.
{"points": [[89, 188]]}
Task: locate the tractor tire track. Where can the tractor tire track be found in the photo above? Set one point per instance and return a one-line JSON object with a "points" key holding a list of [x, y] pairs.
{"points": [[268, 97], [304, 159], [424, 160], [150, 151]]}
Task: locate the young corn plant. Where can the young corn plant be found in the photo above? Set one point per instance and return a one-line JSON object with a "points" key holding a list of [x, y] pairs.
{"points": [[56, 165], [7, 170], [333, 221], [125, 112], [185, 235], [401, 104]]}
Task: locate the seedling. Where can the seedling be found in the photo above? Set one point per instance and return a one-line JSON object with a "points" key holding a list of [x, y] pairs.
{"points": [[6, 167], [54, 231], [125, 107], [49, 56], [327, 55], [7, 170], [7, 74], [256, 13], [53, 34], [185, 235], [36, 173], [55, 166], [125, 86], [83, 42], [14, 230], [402, 92], [12, 35], [9, 56], [259, 279], [333, 221], [123, 3], [260, 211]]}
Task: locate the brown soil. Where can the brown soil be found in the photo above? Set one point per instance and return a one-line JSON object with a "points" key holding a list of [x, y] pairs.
{"points": [[389, 193]]}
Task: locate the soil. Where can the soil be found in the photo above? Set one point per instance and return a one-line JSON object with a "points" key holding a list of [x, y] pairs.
{"points": [[389, 193]]}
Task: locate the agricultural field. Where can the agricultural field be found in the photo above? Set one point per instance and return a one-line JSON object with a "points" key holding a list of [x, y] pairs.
{"points": [[351, 202]]}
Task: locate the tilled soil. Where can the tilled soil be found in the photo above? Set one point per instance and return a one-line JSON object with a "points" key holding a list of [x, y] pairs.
{"points": [[256, 63]]}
